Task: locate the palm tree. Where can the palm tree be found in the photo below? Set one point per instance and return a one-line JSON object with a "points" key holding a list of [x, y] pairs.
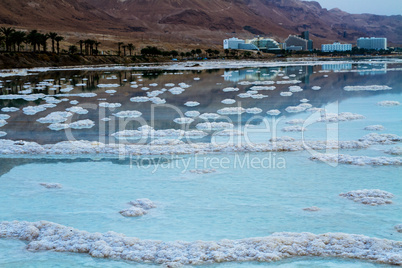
{"points": [[130, 47], [124, 49], [58, 39], [72, 49], [17, 38], [7, 32], [96, 46], [52, 36], [119, 44], [80, 42], [33, 38], [2, 38], [43, 41]]}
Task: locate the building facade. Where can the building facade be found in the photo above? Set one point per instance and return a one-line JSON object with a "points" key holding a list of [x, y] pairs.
{"points": [[336, 47], [294, 41], [264, 43], [372, 43]]}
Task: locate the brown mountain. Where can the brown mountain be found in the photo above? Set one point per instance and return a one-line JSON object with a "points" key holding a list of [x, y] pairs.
{"points": [[199, 21]]}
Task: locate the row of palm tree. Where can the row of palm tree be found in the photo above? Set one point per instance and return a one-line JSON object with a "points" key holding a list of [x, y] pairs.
{"points": [[13, 39], [128, 46], [88, 46]]}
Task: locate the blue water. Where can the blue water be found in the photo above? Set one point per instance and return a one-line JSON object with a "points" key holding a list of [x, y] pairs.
{"points": [[237, 201]]}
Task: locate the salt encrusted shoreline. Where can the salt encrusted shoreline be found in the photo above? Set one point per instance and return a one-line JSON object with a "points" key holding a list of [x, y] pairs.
{"points": [[8, 147], [358, 160], [369, 197], [45, 235]]}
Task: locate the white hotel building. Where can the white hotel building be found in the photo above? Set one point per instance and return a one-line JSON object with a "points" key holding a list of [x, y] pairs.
{"points": [[336, 47], [372, 43]]}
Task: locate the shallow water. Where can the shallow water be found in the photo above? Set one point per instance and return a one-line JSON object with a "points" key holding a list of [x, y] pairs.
{"points": [[249, 195]]}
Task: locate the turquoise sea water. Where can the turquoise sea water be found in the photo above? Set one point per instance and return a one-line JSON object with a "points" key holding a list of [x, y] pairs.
{"points": [[239, 200]]}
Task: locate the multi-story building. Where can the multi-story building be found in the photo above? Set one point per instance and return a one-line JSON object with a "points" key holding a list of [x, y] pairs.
{"points": [[264, 43], [372, 43], [336, 47], [296, 42], [232, 43]]}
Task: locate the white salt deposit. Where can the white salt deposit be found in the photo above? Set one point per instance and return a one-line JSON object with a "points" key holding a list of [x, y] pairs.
{"points": [[4, 116], [398, 228], [294, 129], [254, 110], [312, 209], [316, 88], [77, 110], [145, 88], [231, 110], [295, 89], [154, 93], [74, 102], [366, 88], [109, 105], [369, 197], [106, 119], [51, 185], [157, 100], [58, 126], [140, 99], [9, 109], [358, 160], [133, 212], [110, 91], [169, 85], [32, 110], [230, 89], [273, 112], [209, 126], [375, 138], [192, 113], [295, 121], [288, 82], [258, 96], [191, 103], [81, 124], [183, 120], [55, 117], [389, 103], [304, 100], [108, 85], [209, 116], [45, 235], [166, 142], [203, 171], [346, 116], [374, 127], [129, 114], [263, 88], [176, 90], [143, 203], [286, 94], [229, 133], [397, 150], [2, 133]]}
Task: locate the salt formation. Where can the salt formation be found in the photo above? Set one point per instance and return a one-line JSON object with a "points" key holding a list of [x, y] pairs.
{"points": [[129, 114], [231, 111], [304, 100], [229, 133], [228, 101], [166, 142], [51, 185], [209, 126], [394, 150], [147, 131], [155, 93], [110, 91], [55, 117], [358, 160], [176, 90], [346, 116], [32, 110], [139, 99], [139, 207], [46, 235], [157, 100], [282, 139], [58, 126], [294, 129], [106, 119], [183, 120], [203, 171], [374, 127], [77, 110], [295, 89], [312, 209], [375, 138], [209, 116], [192, 103], [192, 113], [258, 96], [273, 112], [254, 110], [369, 197], [81, 124], [109, 105], [388, 103], [230, 89], [286, 94], [169, 85], [74, 102], [366, 88], [316, 88], [288, 82], [143, 203], [4, 116], [108, 85], [244, 95], [2, 133], [263, 87], [9, 109], [295, 122], [133, 212], [398, 228]]}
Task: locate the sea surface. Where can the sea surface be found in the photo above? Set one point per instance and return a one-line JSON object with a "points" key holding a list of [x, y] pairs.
{"points": [[209, 197]]}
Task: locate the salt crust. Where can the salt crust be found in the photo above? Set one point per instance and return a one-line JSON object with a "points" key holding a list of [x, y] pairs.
{"points": [[398, 228], [208, 116], [358, 160], [77, 110], [88, 147], [129, 114], [366, 88], [394, 150], [230, 89], [228, 101], [369, 197], [192, 113], [9, 109], [294, 129], [346, 116], [209, 126], [192, 103], [140, 99], [374, 127], [51, 185], [389, 103], [55, 117], [109, 105], [4, 116], [273, 112], [203, 171], [312, 209], [149, 132], [44, 235], [2, 133], [254, 110], [108, 85], [183, 120], [231, 110], [286, 94]]}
